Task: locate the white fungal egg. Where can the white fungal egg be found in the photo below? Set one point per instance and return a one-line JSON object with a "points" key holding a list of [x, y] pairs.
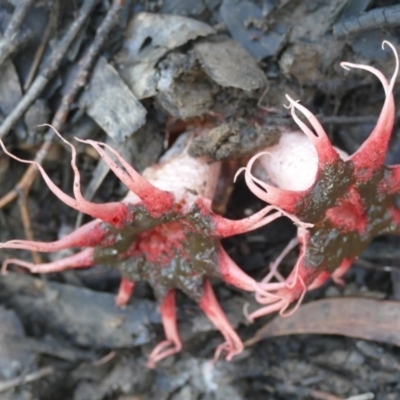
{"points": [[292, 163]]}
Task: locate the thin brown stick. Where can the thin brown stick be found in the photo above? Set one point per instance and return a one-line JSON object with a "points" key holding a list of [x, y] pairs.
{"points": [[21, 380], [85, 66], [32, 94], [13, 38], [24, 182], [306, 392], [26, 222], [104, 360], [51, 25], [87, 63], [50, 68]]}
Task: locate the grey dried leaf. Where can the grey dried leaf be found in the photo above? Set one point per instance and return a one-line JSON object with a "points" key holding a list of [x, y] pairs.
{"points": [[111, 104], [13, 360], [260, 43], [229, 64], [184, 90], [148, 38], [11, 92], [62, 309]]}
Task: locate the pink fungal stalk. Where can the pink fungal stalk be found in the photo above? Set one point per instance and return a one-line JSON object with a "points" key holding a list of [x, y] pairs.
{"points": [[348, 200], [164, 232]]}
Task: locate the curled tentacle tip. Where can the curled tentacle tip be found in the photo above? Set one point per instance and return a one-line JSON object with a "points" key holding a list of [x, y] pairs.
{"points": [[345, 65], [389, 44], [291, 102], [260, 154], [48, 125], [265, 153], [246, 313], [238, 172]]}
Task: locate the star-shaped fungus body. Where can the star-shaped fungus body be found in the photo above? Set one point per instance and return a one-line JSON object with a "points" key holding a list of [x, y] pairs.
{"points": [[163, 232], [348, 199]]}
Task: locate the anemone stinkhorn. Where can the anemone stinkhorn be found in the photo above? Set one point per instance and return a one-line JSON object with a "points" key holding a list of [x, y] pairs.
{"points": [[348, 199], [164, 232]]}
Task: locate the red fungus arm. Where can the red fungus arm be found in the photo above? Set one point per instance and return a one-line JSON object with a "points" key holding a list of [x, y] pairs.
{"points": [[371, 155], [126, 288], [82, 259], [209, 304], [173, 343], [88, 235]]}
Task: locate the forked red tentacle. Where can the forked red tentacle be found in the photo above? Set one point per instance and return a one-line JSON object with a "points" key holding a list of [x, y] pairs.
{"points": [[125, 291], [209, 304], [371, 155], [173, 343], [326, 153], [292, 279], [232, 274], [278, 305], [303, 286], [226, 227], [155, 200], [114, 213], [281, 294], [88, 235], [83, 259], [281, 300]]}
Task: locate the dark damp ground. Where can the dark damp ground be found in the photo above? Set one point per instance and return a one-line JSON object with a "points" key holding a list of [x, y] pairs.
{"points": [[61, 337]]}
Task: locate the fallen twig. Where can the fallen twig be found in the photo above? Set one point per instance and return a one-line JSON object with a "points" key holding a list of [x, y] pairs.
{"points": [[50, 68], [23, 379], [13, 38], [51, 25], [85, 67], [306, 392]]}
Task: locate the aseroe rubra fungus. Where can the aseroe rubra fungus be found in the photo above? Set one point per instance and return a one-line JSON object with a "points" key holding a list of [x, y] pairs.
{"points": [[164, 232], [348, 199]]}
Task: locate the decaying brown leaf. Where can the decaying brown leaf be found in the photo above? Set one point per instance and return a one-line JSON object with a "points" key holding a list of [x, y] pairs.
{"points": [[363, 318]]}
